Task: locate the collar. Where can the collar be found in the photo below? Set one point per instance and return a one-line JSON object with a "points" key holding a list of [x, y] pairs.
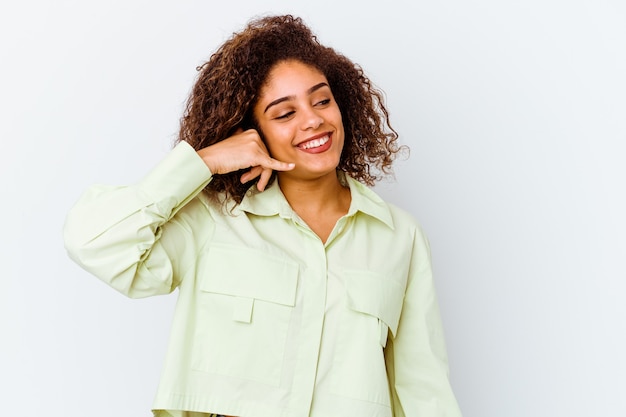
{"points": [[272, 202]]}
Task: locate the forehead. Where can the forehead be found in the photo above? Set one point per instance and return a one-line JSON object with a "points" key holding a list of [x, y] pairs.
{"points": [[288, 78]]}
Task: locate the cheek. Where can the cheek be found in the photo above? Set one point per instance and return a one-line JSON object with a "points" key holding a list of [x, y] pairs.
{"points": [[338, 120], [277, 139]]}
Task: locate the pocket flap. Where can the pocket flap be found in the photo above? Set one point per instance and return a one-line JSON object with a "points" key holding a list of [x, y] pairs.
{"points": [[374, 294], [244, 272]]}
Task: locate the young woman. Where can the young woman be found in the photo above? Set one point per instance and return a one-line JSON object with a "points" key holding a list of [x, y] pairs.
{"points": [[301, 293]]}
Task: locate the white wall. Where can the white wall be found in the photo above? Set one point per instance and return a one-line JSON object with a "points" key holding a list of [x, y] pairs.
{"points": [[516, 116]]}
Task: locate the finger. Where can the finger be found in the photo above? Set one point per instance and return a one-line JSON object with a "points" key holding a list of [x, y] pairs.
{"points": [[264, 179], [277, 165], [251, 174]]}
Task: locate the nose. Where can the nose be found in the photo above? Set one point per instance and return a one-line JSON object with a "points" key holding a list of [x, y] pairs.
{"points": [[311, 119]]}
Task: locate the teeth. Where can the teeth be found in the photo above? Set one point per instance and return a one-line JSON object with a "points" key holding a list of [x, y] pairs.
{"points": [[315, 143]]}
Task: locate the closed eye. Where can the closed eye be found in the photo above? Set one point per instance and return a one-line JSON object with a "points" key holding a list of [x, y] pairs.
{"points": [[323, 102], [285, 116]]}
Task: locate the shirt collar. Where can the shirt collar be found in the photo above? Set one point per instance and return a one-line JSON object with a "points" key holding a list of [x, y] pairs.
{"points": [[272, 201], [267, 203]]}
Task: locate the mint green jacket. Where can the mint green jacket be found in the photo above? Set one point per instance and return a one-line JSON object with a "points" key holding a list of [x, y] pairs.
{"points": [[270, 321]]}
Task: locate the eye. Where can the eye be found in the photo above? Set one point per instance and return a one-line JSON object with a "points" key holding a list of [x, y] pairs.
{"points": [[323, 102], [284, 115]]}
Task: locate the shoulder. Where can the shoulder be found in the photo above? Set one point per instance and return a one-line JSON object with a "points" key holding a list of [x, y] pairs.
{"points": [[401, 217], [200, 211], [404, 224], [366, 199]]}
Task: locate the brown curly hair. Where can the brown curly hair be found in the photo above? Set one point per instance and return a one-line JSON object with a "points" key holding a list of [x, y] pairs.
{"points": [[227, 88]]}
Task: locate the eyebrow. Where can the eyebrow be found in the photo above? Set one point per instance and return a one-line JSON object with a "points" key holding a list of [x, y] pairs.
{"points": [[287, 98]]}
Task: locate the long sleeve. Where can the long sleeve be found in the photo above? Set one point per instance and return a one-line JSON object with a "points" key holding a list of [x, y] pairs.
{"points": [[128, 237], [416, 358]]}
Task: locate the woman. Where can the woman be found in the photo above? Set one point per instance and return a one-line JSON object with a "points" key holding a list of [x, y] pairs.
{"points": [[301, 293]]}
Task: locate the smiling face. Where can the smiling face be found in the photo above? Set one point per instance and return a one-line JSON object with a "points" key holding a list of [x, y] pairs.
{"points": [[300, 120]]}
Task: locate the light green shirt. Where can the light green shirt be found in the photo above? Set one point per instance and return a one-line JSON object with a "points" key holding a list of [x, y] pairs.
{"points": [[270, 321]]}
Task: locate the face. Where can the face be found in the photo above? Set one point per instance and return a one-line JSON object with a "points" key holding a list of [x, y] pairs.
{"points": [[300, 120]]}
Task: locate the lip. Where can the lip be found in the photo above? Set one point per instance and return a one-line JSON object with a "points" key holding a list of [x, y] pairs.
{"points": [[321, 135], [317, 149]]}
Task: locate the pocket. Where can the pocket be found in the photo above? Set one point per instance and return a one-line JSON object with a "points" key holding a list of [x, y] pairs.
{"points": [[245, 301], [377, 296], [373, 304]]}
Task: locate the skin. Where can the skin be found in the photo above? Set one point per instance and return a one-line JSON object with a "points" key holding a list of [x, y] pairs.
{"points": [[296, 107], [304, 137]]}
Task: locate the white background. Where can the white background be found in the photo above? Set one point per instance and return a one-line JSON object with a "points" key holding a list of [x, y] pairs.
{"points": [[515, 112]]}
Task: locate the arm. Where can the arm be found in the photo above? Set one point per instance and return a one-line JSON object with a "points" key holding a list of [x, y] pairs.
{"points": [[130, 238], [116, 233], [416, 358]]}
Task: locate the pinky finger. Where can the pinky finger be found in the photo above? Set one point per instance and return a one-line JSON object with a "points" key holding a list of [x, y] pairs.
{"points": [[264, 179], [250, 175]]}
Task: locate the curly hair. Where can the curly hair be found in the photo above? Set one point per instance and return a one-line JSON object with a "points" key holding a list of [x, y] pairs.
{"points": [[227, 88]]}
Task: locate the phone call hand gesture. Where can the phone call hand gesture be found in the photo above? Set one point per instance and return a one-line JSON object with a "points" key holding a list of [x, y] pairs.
{"points": [[244, 149]]}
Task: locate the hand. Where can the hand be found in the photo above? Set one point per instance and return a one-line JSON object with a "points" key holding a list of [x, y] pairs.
{"points": [[244, 149]]}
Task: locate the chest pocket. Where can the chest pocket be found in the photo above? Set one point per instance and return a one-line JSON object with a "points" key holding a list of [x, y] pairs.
{"points": [[373, 305], [378, 296], [245, 301]]}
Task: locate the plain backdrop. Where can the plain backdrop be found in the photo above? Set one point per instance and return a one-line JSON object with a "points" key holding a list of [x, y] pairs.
{"points": [[515, 113]]}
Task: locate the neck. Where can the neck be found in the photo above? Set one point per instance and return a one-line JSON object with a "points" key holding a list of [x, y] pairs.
{"points": [[314, 197]]}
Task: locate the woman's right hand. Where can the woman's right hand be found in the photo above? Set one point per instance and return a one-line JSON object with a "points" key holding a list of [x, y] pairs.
{"points": [[244, 149]]}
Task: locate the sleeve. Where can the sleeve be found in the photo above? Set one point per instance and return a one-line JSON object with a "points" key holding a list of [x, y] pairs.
{"points": [[128, 237], [416, 358]]}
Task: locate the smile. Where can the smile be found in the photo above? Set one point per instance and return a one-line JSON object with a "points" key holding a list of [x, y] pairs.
{"points": [[315, 143]]}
